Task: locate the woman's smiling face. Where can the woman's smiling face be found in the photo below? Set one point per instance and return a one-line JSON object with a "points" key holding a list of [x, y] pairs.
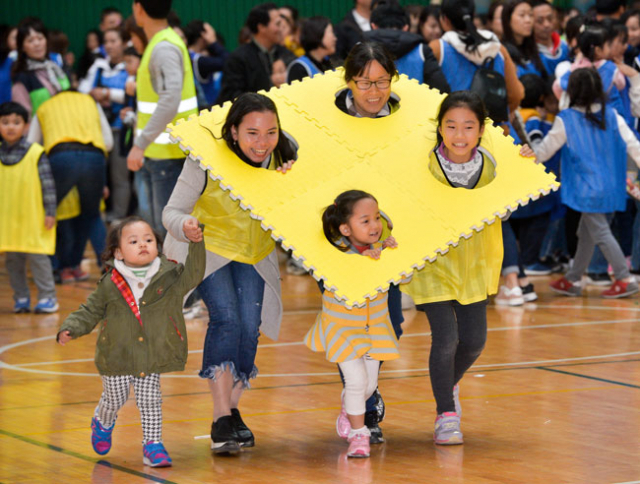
{"points": [[257, 135], [370, 101]]}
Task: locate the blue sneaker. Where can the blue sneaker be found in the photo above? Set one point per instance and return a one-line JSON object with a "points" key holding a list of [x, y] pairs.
{"points": [[538, 269], [100, 437], [155, 455], [48, 305], [22, 305]]}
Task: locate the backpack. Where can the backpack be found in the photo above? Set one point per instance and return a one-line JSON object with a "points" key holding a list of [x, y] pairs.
{"points": [[492, 88]]}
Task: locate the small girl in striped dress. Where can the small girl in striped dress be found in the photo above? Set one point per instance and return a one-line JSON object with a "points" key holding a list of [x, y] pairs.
{"points": [[357, 339]]}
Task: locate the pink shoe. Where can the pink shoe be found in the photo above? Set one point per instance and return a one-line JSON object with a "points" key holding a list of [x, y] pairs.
{"points": [[343, 426], [359, 445]]}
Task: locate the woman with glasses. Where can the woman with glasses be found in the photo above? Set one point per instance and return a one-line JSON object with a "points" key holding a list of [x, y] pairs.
{"points": [[368, 72]]}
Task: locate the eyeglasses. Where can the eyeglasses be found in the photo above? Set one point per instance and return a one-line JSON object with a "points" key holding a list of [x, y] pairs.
{"points": [[364, 84]]}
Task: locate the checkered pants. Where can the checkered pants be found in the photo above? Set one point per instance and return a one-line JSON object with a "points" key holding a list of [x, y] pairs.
{"points": [[148, 399]]}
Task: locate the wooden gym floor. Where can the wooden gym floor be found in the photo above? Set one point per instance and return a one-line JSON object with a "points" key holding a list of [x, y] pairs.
{"points": [[553, 398]]}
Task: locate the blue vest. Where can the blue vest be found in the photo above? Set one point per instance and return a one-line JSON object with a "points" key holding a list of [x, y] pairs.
{"points": [[606, 71], [412, 64], [551, 62], [116, 81], [552, 200], [459, 70], [528, 68], [308, 65], [209, 87], [5, 80], [594, 164]]}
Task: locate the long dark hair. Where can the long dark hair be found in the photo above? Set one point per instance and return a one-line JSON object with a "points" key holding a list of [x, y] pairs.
{"points": [[585, 89], [462, 99], [251, 102], [365, 52], [460, 14], [115, 234], [24, 27], [528, 50], [589, 38], [339, 212]]}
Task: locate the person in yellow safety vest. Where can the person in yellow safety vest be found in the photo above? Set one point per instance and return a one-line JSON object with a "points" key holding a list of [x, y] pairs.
{"points": [[165, 93]]}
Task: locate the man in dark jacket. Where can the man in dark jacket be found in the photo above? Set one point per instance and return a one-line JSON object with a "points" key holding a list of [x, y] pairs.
{"points": [[349, 32], [249, 67], [390, 27]]}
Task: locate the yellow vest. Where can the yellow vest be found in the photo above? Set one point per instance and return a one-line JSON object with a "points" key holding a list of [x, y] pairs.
{"points": [[470, 271], [229, 230], [21, 207], [70, 117], [162, 148]]}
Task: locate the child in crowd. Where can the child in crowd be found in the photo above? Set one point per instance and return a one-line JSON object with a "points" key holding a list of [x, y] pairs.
{"points": [[453, 290], [594, 141], [358, 339], [28, 201], [138, 308]]}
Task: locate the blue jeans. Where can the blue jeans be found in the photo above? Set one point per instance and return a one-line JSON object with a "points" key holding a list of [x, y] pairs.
{"points": [[87, 171], [511, 262], [154, 183], [233, 295]]}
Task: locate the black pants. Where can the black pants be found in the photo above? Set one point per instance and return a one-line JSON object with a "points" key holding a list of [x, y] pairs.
{"points": [[458, 336], [530, 233]]}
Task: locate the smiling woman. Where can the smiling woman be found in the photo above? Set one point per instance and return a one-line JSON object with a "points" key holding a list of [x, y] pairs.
{"points": [[368, 71], [241, 260]]}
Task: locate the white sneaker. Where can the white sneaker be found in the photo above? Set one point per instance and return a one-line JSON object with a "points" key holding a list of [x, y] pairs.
{"points": [[509, 297]]}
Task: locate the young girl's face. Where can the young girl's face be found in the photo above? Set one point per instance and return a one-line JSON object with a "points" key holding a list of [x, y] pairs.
{"points": [[138, 245], [461, 131], [364, 227], [618, 46], [431, 29], [257, 135], [604, 52]]}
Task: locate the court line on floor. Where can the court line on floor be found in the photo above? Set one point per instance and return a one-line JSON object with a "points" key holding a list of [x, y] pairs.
{"points": [[86, 458], [589, 377], [23, 366]]}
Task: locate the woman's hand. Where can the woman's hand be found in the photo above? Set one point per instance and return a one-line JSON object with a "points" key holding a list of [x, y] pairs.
{"points": [[192, 230], [285, 166], [64, 337], [390, 243], [373, 253], [526, 151]]}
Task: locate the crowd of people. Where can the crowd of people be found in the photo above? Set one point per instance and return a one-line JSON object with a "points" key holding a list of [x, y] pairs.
{"points": [[84, 147]]}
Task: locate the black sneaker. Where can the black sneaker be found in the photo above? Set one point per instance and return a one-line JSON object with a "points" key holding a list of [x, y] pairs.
{"points": [[371, 422], [380, 408], [598, 279], [528, 293], [245, 436], [224, 438]]}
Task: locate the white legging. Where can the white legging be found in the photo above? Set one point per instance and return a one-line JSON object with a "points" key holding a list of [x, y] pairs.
{"points": [[360, 381]]}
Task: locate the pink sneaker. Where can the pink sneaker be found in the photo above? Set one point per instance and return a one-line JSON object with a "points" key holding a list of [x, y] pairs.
{"points": [[359, 445], [343, 427]]}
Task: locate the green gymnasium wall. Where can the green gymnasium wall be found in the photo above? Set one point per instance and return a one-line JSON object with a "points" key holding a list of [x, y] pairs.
{"points": [[76, 17]]}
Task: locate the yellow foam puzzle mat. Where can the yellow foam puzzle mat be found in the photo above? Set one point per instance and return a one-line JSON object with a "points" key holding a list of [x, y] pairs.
{"points": [[387, 157]]}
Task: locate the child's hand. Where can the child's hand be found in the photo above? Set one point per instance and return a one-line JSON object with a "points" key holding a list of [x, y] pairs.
{"points": [[390, 243], [628, 71], [526, 151], [49, 222], [373, 253], [286, 166], [64, 337], [192, 230]]}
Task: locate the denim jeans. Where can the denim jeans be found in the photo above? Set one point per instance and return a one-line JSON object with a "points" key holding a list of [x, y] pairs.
{"points": [[511, 262], [85, 170], [233, 295], [458, 336], [154, 183]]}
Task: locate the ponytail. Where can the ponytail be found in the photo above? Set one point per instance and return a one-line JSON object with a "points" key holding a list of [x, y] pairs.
{"points": [[460, 14], [585, 89], [589, 38]]}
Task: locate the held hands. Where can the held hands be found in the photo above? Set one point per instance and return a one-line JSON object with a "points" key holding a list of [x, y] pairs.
{"points": [[64, 337], [49, 222], [286, 166], [192, 230], [135, 160]]}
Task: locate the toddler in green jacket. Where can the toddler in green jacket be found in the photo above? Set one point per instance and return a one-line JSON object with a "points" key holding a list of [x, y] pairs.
{"points": [[138, 308]]}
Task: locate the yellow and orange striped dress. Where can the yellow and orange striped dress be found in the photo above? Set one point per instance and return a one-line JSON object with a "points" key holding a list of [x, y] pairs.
{"points": [[347, 334]]}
